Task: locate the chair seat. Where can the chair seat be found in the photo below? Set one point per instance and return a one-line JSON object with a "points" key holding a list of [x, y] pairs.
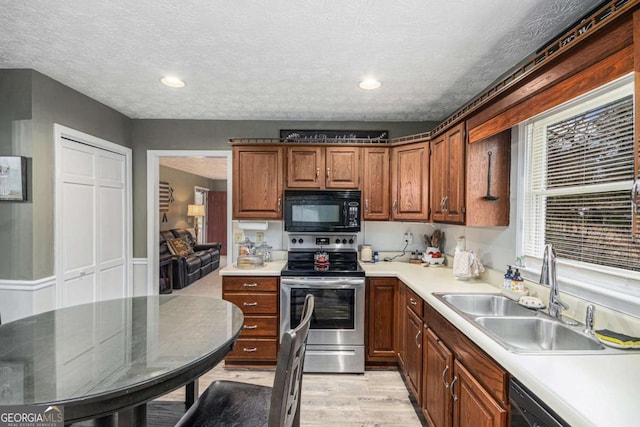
{"points": [[230, 403]]}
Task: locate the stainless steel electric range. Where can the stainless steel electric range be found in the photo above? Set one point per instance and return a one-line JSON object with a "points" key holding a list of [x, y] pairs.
{"points": [[326, 266]]}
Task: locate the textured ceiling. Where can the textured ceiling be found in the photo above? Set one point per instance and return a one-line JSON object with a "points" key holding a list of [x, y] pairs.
{"points": [[208, 167], [279, 59]]}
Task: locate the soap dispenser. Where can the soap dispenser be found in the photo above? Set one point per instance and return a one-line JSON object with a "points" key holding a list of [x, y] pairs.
{"points": [[517, 282], [507, 278]]}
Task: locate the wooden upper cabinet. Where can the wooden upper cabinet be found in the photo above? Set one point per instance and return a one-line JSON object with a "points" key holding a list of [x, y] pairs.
{"points": [[257, 182], [488, 205], [448, 176], [342, 167], [305, 167], [323, 167], [375, 183], [410, 182]]}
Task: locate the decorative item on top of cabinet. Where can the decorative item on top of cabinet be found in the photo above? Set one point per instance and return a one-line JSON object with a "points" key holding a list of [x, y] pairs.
{"points": [[257, 182], [257, 297], [381, 335], [323, 167], [447, 176], [480, 210], [410, 182], [375, 183]]}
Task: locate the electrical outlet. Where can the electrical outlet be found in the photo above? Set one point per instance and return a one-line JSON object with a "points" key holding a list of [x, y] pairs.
{"points": [[407, 238], [259, 237], [238, 236]]}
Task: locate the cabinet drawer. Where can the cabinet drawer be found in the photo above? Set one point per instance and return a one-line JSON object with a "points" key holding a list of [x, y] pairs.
{"points": [[250, 284], [254, 349], [266, 326], [255, 302], [414, 302]]}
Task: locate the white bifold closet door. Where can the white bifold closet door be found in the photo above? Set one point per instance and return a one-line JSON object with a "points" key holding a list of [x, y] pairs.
{"points": [[93, 224]]}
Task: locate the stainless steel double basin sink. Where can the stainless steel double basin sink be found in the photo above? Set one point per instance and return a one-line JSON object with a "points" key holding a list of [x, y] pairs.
{"points": [[520, 329]]}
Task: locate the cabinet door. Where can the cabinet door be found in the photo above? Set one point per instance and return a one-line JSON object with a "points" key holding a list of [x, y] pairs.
{"points": [[410, 182], [439, 180], [375, 187], [381, 314], [438, 371], [401, 322], [257, 182], [342, 167], [454, 204], [413, 358], [473, 406], [305, 167]]}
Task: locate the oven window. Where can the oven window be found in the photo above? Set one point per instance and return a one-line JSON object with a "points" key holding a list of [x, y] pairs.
{"points": [[315, 213], [334, 308]]}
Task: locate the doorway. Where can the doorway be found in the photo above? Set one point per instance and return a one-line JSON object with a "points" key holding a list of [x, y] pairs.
{"points": [[153, 215]]}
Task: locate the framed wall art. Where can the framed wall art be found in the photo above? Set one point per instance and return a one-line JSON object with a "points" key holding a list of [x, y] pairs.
{"points": [[13, 178]]}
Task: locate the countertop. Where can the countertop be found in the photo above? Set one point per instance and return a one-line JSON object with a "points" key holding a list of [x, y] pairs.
{"points": [[585, 390]]}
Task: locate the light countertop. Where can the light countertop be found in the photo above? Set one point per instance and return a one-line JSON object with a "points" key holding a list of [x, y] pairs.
{"points": [[585, 390]]}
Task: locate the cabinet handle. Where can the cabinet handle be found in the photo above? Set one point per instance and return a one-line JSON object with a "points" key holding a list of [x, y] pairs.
{"points": [[416, 339], [250, 350], [635, 195], [279, 203], [256, 327], [451, 390], [444, 202], [444, 372], [366, 205], [441, 203], [250, 304], [317, 173], [395, 205], [249, 285], [412, 301]]}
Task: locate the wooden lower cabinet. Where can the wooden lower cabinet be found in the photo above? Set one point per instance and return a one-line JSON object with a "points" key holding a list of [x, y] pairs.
{"points": [[438, 372], [413, 355], [473, 406], [381, 334], [463, 386], [258, 299]]}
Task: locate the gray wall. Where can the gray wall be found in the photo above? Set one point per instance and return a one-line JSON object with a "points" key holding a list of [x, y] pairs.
{"points": [[214, 135], [49, 102], [182, 184]]}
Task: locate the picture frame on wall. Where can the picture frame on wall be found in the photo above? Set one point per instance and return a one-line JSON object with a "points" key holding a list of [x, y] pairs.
{"points": [[13, 178]]}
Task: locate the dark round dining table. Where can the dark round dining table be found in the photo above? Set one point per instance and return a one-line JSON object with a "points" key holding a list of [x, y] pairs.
{"points": [[107, 357]]}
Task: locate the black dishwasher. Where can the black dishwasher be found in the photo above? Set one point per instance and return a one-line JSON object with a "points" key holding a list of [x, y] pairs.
{"points": [[527, 410]]}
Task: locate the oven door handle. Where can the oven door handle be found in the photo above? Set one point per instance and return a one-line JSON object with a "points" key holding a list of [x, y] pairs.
{"points": [[322, 283]]}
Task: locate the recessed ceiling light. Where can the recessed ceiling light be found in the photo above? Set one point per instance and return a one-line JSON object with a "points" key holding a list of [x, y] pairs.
{"points": [[172, 81], [369, 84]]}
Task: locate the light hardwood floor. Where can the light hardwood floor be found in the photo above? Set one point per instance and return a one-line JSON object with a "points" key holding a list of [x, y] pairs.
{"points": [[376, 398]]}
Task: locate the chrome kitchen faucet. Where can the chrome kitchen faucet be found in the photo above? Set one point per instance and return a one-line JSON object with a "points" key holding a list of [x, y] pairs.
{"points": [[548, 277]]}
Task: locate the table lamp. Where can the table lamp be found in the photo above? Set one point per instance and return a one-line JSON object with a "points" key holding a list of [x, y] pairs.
{"points": [[195, 211]]}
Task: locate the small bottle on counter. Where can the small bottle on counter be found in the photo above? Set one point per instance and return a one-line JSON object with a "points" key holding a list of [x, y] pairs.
{"points": [[507, 278], [517, 282], [376, 257]]}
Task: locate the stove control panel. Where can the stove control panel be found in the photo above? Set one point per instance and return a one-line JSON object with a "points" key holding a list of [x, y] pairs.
{"points": [[327, 242]]}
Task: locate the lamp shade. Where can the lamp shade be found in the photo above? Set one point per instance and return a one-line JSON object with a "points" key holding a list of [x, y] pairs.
{"points": [[195, 210]]}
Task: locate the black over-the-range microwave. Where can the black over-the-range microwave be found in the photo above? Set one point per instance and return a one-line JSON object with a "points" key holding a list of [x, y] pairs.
{"points": [[322, 211]]}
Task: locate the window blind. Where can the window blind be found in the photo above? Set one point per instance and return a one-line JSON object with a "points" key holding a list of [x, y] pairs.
{"points": [[580, 169]]}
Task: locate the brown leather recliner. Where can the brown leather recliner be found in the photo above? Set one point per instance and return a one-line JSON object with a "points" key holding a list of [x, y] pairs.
{"points": [[189, 267]]}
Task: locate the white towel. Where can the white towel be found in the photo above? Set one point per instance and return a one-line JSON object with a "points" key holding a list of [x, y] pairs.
{"points": [[466, 265]]}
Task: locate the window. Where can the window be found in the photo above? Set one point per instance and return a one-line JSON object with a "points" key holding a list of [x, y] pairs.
{"points": [[580, 168]]}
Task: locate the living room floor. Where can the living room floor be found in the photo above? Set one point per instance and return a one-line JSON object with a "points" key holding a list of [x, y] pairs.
{"points": [[376, 398]]}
